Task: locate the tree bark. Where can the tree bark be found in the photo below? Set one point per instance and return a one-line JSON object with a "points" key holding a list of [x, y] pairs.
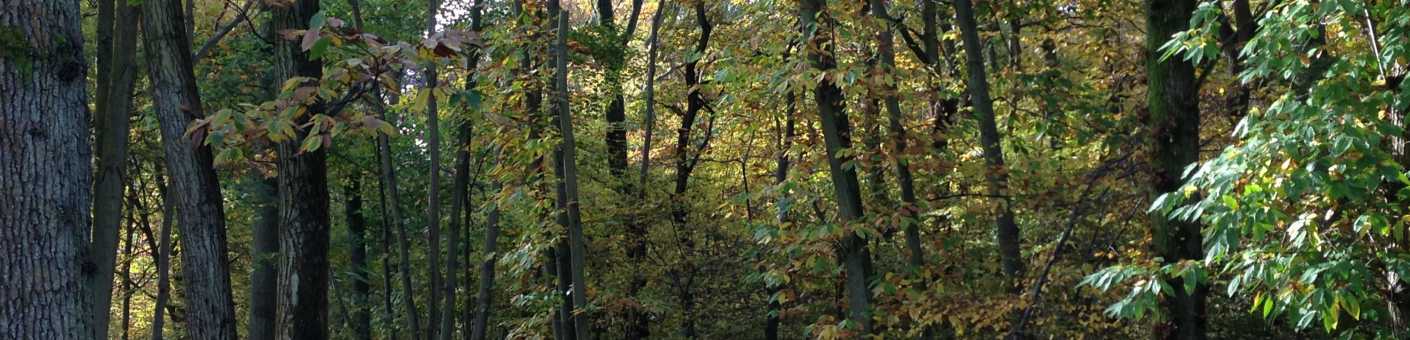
{"points": [[362, 288], [1174, 124], [127, 268], [302, 305], [886, 55], [264, 276], [484, 301], [638, 323], [205, 269], [773, 319], [685, 166], [837, 135], [997, 173], [163, 260], [433, 191], [112, 133], [568, 157]]}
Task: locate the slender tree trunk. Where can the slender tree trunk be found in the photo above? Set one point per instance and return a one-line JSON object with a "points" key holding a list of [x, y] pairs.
{"points": [[459, 194], [638, 323], [127, 269], [362, 288], [302, 305], [1174, 122], [205, 269], [886, 55], [264, 275], [484, 301], [837, 136], [990, 140], [163, 260], [112, 133], [771, 323], [568, 158], [684, 167], [433, 191], [391, 212]]}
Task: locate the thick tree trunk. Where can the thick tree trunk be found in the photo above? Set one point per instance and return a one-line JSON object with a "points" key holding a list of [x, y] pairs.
{"points": [[302, 305], [362, 288], [1174, 122], [112, 133], [837, 136], [568, 157], [205, 269], [264, 275], [990, 140]]}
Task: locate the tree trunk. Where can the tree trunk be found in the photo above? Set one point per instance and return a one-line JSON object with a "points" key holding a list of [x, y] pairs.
{"points": [[459, 194], [568, 157], [433, 191], [1174, 122], [205, 268], [264, 276], [837, 136], [357, 230], [773, 319], [302, 305], [997, 173], [127, 267], [112, 133], [484, 301], [638, 323], [886, 55], [163, 260]]}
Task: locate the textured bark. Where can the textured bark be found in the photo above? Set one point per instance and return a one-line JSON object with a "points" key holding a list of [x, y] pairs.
{"points": [[568, 157], [112, 129], [1174, 125], [362, 289], [205, 269], [302, 299], [989, 138], [265, 250], [837, 136]]}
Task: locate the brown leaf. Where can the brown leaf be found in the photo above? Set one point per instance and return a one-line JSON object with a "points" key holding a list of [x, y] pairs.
{"points": [[310, 37]]}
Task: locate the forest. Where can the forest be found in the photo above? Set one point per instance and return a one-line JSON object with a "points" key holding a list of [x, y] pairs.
{"points": [[704, 169]]}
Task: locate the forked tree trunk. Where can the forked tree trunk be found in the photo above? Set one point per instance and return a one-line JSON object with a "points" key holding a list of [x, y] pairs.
{"points": [[112, 132]]}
